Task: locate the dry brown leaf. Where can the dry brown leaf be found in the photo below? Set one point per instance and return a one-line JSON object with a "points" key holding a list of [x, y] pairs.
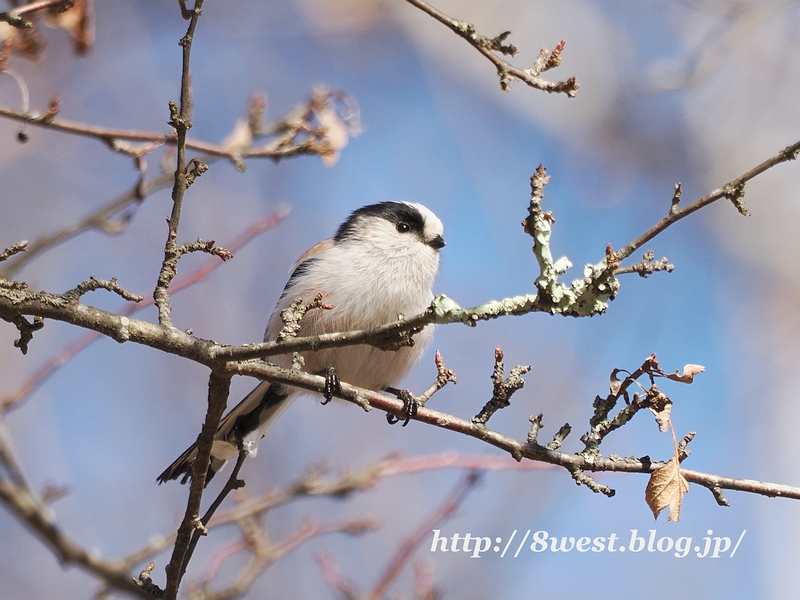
{"points": [[21, 42], [689, 371], [661, 407], [240, 140], [336, 133], [78, 21], [666, 488], [615, 383]]}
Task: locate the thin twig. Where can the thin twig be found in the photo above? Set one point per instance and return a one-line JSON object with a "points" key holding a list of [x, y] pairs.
{"points": [[285, 146], [287, 127], [233, 483], [180, 119], [14, 17], [218, 392], [732, 190], [36, 515], [506, 71], [447, 509], [197, 275]]}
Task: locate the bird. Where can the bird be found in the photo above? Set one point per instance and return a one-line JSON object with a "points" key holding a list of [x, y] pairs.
{"points": [[379, 266]]}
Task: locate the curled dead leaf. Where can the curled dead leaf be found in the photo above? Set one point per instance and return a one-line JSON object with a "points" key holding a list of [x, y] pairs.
{"points": [[77, 20], [666, 489], [615, 383], [336, 133], [661, 407], [689, 371]]}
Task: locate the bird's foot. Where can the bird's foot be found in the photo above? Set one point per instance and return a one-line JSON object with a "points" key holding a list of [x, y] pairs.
{"points": [[332, 385], [410, 406]]}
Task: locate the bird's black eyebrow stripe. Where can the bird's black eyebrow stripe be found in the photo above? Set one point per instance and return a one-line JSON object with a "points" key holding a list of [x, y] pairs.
{"points": [[298, 272], [394, 212]]}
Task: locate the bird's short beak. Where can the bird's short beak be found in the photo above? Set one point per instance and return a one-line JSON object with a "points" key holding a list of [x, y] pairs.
{"points": [[437, 242]]}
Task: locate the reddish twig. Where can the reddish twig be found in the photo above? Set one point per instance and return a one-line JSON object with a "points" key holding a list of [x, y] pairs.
{"points": [[181, 282], [733, 191], [410, 544], [506, 71]]}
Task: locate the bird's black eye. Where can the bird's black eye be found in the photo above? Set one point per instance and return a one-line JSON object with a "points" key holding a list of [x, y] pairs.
{"points": [[403, 227]]}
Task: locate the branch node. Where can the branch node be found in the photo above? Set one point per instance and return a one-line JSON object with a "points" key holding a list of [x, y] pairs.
{"points": [[51, 112], [12, 250], [93, 284], [503, 388], [294, 313], [26, 329], [559, 437], [536, 425], [676, 200], [647, 266], [443, 377], [176, 121], [716, 491], [734, 192], [194, 169], [683, 451], [145, 582], [582, 478], [495, 43], [790, 152]]}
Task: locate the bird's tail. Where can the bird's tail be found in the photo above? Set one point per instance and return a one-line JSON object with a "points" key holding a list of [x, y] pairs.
{"points": [[242, 427]]}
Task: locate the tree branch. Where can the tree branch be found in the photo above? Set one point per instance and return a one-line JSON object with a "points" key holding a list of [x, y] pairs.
{"points": [[14, 17], [218, 391], [446, 510], [180, 119], [285, 144], [35, 514], [506, 71], [734, 191]]}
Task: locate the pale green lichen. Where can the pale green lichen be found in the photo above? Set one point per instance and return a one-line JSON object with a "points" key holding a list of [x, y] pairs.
{"points": [[584, 297]]}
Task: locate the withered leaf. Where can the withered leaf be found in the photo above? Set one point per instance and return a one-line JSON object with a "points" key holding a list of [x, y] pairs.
{"points": [[689, 371], [666, 488], [615, 383], [78, 21], [240, 140], [336, 133], [661, 407]]}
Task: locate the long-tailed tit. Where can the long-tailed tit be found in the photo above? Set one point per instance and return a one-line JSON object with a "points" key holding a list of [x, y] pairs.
{"points": [[380, 265]]}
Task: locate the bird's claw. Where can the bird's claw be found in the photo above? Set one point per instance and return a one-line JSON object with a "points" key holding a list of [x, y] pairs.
{"points": [[410, 407], [332, 385]]}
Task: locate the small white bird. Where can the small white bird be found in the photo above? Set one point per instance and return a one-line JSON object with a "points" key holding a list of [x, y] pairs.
{"points": [[379, 266]]}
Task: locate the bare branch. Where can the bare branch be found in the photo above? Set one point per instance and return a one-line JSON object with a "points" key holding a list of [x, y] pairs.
{"points": [[233, 483], [218, 391], [503, 388], [103, 218], [26, 329], [443, 377], [93, 284], [199, 274], [265, 552], [294, 313], [450, 505], [296, 134], [36, 515], [12, 250], [647, 266], [14, 17], [734, 190], [180, 119], [506, 71], [100, 219]]}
